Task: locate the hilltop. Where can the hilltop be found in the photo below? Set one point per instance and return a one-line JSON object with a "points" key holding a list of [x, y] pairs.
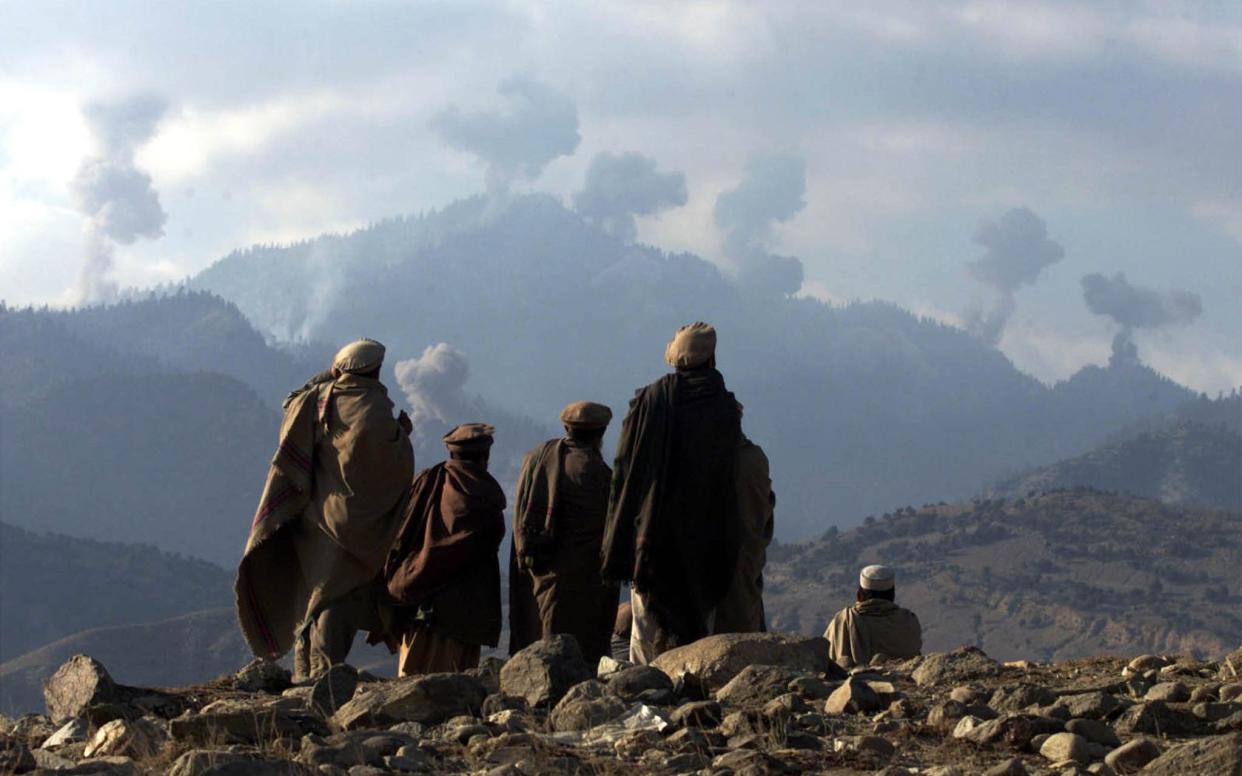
{"points": [[1058, 575]]}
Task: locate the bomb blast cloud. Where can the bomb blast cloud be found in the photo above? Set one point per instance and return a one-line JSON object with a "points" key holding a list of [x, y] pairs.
{"points": [[619, 187], [540, 125], [1136, 307], [434, 384], [116, 197], [773, 191], [1016, 251]]}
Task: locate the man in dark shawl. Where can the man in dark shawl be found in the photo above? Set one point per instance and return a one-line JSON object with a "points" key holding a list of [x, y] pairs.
{"points": [[558, 528], [672, 526], [741, 611], [327, 516], [443, 569]]}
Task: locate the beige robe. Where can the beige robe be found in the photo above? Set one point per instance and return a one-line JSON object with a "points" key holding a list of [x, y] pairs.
{"points": [[741, 611], [870, 628]]}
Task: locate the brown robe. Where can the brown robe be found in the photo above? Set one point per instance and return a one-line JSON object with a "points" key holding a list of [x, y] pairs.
{"points": [[558, 527], [443, 568], [869, 628], [741, 610], [328, 511]]}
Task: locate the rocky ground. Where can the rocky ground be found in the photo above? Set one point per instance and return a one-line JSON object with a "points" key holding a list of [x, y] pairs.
{"points": [[732, 704]]}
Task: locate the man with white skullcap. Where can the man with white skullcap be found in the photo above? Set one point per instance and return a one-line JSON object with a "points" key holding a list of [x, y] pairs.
{"points": [[874, 625]]}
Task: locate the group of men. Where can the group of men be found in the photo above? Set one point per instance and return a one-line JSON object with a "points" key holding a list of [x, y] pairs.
{"points": [[346, 538]]}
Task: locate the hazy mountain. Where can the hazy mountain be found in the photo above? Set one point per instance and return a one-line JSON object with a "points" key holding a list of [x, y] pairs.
{"points": [[861, 408], [1188, 463], [1054, 576]]}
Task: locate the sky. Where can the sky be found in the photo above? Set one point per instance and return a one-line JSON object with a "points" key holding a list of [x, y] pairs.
{"points": [[141, 141]]}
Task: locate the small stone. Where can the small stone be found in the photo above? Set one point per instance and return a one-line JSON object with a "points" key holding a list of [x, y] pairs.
{"points": [[608, 666], [1230, 692], [333, 688], [811, 688], [697, 714], [1144, 663], [965, 725], [968, 696], [15, 756], [1132, 755], [49, 761], [1204, 694], [631, 682], [1011, 767], [1090, 705], [544, 671], [853, 697], [784, 706], [1093, 730], [944, 716], [1214, 712], [1018, 697], [1060, 747], [1157, 718], [261, 675], [963, 664], [756, 684], [70, 733], [1169, 692], [137, 738]]}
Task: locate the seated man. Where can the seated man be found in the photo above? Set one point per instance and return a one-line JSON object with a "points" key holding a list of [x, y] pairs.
{"points": [[875, 625]]}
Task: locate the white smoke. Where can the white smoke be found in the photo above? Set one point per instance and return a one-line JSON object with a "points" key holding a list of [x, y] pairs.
{"points": [[433, 385], [772, 192], [619, 187], [116, 197]]}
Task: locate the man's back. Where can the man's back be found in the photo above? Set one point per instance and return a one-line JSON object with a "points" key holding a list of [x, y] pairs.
{"points": [[873, 627]]}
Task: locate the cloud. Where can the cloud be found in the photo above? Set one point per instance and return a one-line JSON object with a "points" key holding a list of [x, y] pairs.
{"points": [[116, 197], [1136, 307], [773, 191], [1017, 250], [540, 125], [434, 385], [619, 187]]}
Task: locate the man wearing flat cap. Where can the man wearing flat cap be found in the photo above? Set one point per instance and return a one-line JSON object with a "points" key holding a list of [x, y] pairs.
{"points": [[672, 528], [558, 528], [874, 625], [443, 569], [327, 516]]}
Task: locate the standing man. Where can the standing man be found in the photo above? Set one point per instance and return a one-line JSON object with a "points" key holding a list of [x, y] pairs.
{"points": [[741, 611], [558, 528], [443, 568], [327, 517], [672, 528], [875, 625]]}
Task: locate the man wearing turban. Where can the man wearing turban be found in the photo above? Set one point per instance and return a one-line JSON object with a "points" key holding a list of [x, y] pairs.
{"points": [[672, 529], [874, 625], [327, 516]]}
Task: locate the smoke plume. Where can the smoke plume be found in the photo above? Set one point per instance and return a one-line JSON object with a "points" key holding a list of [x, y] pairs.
{"points": [[620, 187], [433, 385], [1016, 251], [772, 192], [1136, 307], [540, 125], [115, 196]]}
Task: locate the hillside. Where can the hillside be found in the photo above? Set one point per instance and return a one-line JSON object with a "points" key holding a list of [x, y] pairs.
{"points": [[43, 578], [856, 405], [1187, 463], [1054, 576]]}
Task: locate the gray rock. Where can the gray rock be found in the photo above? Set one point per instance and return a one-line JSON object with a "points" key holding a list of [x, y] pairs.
{"points": [[1015, 731], [586, 705], [1094, 731], [969, 696], [757, 684], [854, 696], [1132, 755], [1011, 767], [1214, 755], [1157, 718], [71, 732], [1060, 747], [944, 716], [747, 762], [875, 745], [1145, 663], [102, 766], [261, 675], [1169, 692], [810, 687], [717, 659], [1020, 696], [1231, 667], [429, 699], [544, 671], [1230, 692], [1206, 693], [15, 756], [1214, 712], [139, 738], [627, 684], [50, 761], [961, 665], [784, 706], [334, 688], [1090, 705], [80, 682], [696, 714], [216, 762], [240, 723]]}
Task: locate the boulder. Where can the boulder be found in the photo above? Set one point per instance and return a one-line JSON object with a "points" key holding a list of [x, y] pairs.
{"points": [[1093, 730], [137, 738], [428, 699], [586, 705], [717, 659], [1095, 704], [1169, 692], [1217, 754], [1060, 747], [79, 683], [1132, 755], [544, 671], [1158, 719], [756, 685], [261, 675], [961, 665], [1020, 696], [854, 696], [629, 683], [1015, 731], [333, 688], [236, 722]]}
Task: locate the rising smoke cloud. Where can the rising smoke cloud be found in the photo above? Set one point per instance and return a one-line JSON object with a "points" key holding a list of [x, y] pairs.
{"points": [[116, 197], [620, 187], [1017, 250], [433, 385], [540, 125], [772, 192], [1136, 307]]}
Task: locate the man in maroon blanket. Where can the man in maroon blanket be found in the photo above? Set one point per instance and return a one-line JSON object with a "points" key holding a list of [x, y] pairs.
{"points": [[443, 568]]}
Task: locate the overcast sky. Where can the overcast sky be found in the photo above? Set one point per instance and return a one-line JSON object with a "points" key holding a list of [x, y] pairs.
{"points": [[921, 125]]}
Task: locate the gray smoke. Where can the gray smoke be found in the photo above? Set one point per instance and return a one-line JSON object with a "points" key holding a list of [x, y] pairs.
{"points": [[433, 385], [620, 187], [1017, 250], [772, 192], [540, 125], [1136, 307], [115, 196]]}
